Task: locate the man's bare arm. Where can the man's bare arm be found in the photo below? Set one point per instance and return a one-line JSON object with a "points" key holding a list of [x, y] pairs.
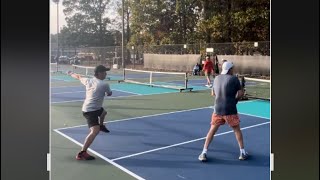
{"points": [[239, 95], [74, 75], [212, 93]]}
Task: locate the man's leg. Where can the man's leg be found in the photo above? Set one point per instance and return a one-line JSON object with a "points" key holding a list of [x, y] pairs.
{"points": [[93, 123], [207, 74], [94, 131], [234, 122], [208, 78], [216, 121], [102, 117], [238, 133], [101, 120], [212, 131], [83, 155]]}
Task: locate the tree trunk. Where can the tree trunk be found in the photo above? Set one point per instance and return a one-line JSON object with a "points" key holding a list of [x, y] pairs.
{"points": [[229, 28], [206, 15]]}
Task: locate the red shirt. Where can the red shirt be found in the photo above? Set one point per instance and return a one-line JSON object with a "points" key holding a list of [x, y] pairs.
{"points": [[208, 66]]}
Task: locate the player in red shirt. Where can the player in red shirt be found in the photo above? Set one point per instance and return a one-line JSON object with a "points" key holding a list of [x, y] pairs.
{"points": [[208, 70]]}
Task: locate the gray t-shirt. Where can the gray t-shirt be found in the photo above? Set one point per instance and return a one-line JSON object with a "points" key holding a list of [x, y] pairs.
{"points": [[96, 89], [225, 87]]}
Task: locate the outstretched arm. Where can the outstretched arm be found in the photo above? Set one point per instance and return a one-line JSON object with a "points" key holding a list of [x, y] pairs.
{"points": [[74, 75]]}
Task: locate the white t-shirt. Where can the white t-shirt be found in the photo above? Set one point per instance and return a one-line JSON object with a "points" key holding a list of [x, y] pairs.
{"points": [[96, 89]]}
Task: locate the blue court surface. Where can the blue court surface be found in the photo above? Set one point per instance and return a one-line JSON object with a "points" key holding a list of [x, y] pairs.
{"points": [[167, 146], [77, 93]]}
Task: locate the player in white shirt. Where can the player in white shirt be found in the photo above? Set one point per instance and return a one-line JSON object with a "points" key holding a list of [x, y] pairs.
{"points": [[92, 109]]}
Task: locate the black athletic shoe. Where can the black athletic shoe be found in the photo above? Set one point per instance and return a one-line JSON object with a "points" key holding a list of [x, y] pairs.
{"points": [[104, 129], [83, 155]]}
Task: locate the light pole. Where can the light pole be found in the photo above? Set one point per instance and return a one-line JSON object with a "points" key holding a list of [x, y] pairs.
{"points": [[58, 53], [122, 53], [132, 47]]}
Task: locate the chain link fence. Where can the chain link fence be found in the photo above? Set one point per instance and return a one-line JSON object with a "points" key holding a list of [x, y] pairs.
{"points": [[134, 55]]}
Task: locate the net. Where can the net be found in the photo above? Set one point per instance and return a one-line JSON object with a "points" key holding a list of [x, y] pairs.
{"points": [[87, 71], [256, 88], [171, 80], [53, 67]]}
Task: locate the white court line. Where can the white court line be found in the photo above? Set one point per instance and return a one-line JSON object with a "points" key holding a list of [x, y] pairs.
{"points": [[102, 157], [127, 91], [202, 84], [68, 92], [255, 116], [186, 142], [56, 79], [140, 117], [242, 102], [78, 100], [66, 87]]}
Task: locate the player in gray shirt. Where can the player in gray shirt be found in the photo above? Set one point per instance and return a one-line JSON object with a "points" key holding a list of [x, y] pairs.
{"points": [[227, 91], [92, 109]]}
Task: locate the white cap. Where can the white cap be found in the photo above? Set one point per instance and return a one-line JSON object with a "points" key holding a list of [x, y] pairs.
{"points": [[226, 66]]}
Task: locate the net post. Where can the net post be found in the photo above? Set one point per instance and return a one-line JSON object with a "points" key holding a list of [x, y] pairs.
{"points": [[150, 77], [186, 80], [124, 74]]}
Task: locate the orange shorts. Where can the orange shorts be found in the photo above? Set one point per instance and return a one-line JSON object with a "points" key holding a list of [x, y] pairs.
{"points": [[232, 120]]}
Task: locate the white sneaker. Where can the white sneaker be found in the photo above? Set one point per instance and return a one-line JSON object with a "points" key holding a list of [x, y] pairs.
{"points": [[203, 157], [243, 156]]}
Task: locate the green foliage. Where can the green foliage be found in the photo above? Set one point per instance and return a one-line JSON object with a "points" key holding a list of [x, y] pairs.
{"points": [[158, 22], [198, 21], [86, 23]]}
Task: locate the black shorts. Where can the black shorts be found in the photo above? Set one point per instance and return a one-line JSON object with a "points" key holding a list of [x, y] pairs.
{"points": [[93, 117]]}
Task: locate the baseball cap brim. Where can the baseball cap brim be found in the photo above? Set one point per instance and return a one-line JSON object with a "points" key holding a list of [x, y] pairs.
{"points": [[224, 71], [103, 69]]}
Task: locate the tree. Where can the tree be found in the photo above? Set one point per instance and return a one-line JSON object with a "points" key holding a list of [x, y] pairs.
{"points": [[87, 19], [157, 22]]}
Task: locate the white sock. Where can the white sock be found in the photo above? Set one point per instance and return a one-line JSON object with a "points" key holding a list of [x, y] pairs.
{"points": [[204, 150], [242, 151]]}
